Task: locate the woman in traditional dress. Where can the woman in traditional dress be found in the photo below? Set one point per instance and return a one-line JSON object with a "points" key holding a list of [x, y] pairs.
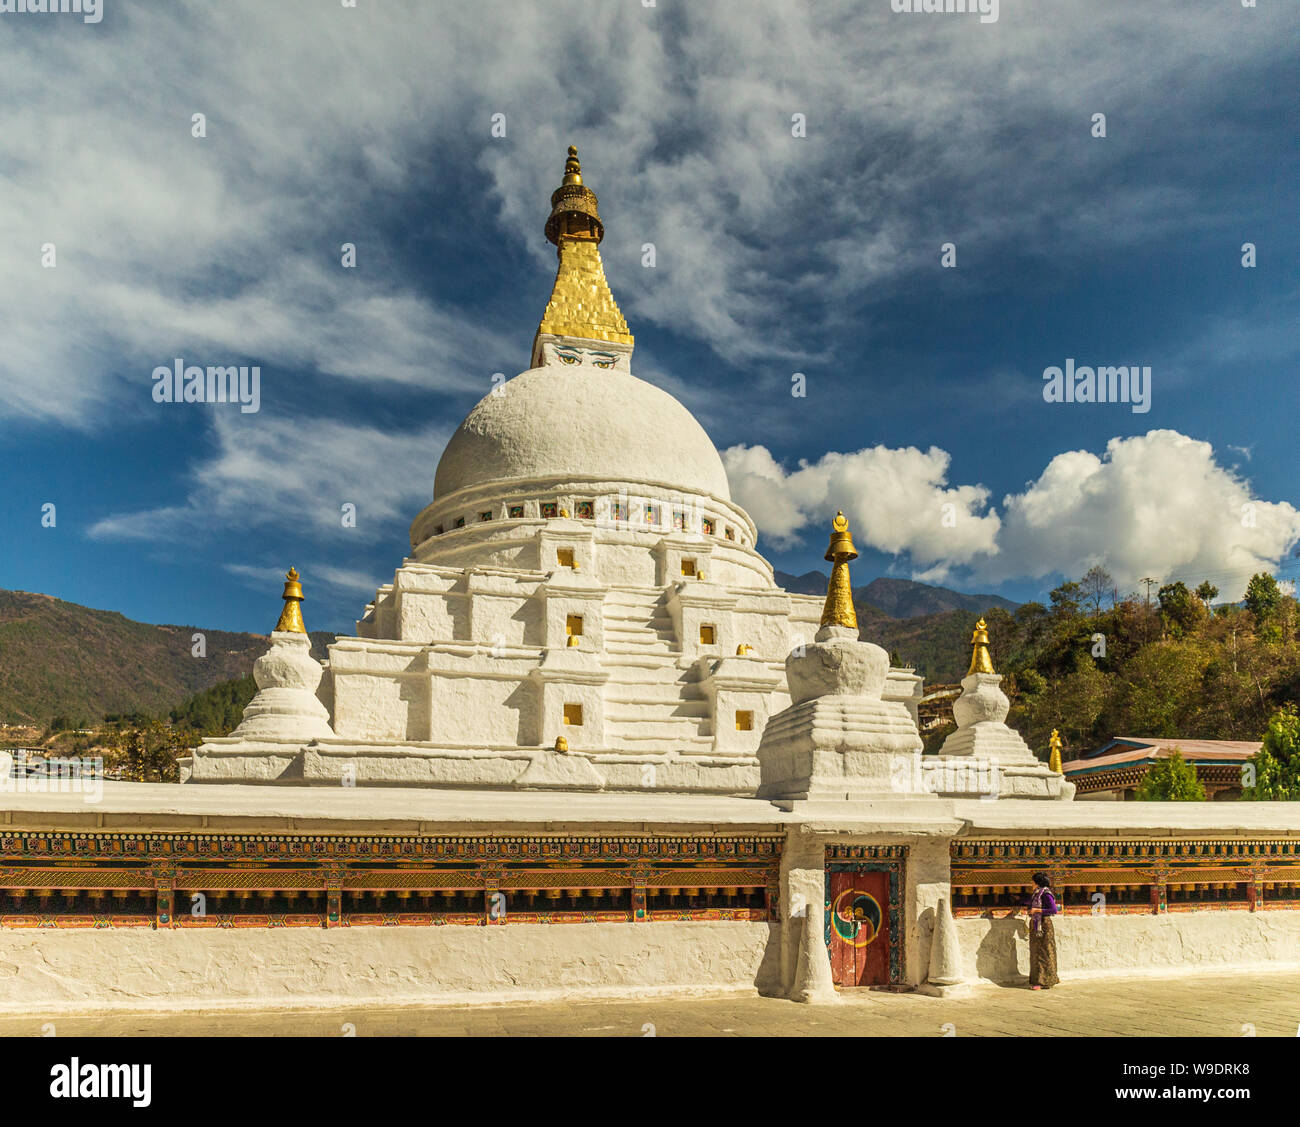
{"points": [[1042, 938]]}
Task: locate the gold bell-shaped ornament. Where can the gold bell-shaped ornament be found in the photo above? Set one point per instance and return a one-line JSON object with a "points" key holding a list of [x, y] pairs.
{"points": [[291, 617], [980, 660], [838, 609]]}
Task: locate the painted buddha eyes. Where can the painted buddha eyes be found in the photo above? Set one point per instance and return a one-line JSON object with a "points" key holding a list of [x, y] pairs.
{"points": [[576, 358]]}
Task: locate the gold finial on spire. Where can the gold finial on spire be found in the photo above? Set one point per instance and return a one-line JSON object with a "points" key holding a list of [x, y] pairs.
{"points": [[572, 169], [291, 616], [581, 305], [1054, 761], [573, 207], [980, 661], [838, 610]]}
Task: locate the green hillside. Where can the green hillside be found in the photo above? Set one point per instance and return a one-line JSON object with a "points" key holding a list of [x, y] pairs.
{"points": [[61, 659], [937, 645]]}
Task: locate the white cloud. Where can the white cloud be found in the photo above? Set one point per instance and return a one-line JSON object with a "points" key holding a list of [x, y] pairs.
{"points": [[294, 475], [320, 117], [1158, 504], [897, 501], [349, 581]]}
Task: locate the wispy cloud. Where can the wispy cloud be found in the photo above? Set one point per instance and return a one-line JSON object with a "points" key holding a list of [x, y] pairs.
{"points": [[320, 119], [295, 475]]}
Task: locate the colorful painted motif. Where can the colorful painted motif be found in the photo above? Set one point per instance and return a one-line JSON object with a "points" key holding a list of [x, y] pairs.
{"points": [[863, 914], [1129, 876], [268, 880]]}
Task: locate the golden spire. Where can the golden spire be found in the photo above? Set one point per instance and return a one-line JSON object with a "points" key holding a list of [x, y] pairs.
{"points": [[573, 172], [581, 305], [838, 610], [1054, 762], [291, 616], [980, 662]]}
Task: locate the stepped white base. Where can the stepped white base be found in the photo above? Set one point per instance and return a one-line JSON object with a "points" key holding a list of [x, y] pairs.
{"points": [[971, 776], [337, 762], [839, 747]]}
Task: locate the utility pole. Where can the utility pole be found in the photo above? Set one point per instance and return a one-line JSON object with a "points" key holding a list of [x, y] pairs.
{"points": [[1150, 583]]}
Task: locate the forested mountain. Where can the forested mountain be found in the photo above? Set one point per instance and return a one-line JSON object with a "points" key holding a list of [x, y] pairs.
{"points": [[62, 660]]}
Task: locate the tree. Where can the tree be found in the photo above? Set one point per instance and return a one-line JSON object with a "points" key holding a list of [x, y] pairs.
{"points": [[1171, 780], [146, 753], [1207, 592], [1179, 610], [1158, 690], [1264, 600], [1065, 600], [218, 710], [1096, 584], [1072, 704], [1276, 766]]}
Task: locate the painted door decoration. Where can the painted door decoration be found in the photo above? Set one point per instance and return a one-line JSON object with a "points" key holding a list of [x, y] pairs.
{"points": [[857, 911]]}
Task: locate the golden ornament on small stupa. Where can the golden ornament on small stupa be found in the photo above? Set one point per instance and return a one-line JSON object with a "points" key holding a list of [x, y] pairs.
{"points": [[291, 617], [838, 609], [561, 744], [980, 661], [1054, 760]]}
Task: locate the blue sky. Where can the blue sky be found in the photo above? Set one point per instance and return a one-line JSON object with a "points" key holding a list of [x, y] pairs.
{"points": [[776, 254]]}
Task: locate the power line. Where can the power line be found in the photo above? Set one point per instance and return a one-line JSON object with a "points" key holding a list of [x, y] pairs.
{"points": [[1150, 583]]}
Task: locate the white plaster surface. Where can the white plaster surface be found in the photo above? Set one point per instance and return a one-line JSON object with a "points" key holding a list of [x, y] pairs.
{"points": [[1137, 819], [580, 421], [839, 739], [420, 809], [285, 705], [53, 969], [995, 750], [997, 950]]}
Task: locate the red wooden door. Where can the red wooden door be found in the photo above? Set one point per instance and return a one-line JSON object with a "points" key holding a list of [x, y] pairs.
{"points": [[858, 912]]}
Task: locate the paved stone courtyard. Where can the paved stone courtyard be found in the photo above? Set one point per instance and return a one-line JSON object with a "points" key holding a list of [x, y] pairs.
{"points": [[1195, 1005]]}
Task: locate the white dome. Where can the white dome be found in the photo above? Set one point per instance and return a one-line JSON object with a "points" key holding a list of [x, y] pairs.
{"points": [[579, 421]]}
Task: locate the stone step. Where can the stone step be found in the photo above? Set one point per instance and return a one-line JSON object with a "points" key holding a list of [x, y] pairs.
{"points": [[680, 727], [653, 742], [627, 639], [655, 623], [634, 648], [664, 677], [616, 622], [638, 711], [625, 667], [658, 688], [631, 638]]}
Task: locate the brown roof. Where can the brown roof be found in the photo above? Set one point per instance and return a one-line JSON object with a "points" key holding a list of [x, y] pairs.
{"points": [[1149, 749]]}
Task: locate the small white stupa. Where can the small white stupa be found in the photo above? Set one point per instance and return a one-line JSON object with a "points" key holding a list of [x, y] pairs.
{"points": [[839, 739], [985, 755], [286, 706]]}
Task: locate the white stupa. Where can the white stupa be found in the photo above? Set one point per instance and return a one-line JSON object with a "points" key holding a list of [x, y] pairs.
{"points": [[985, 755], [584, 606]]}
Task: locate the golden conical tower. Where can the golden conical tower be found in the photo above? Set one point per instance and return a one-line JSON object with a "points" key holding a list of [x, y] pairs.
{"points": [[838, 610], [980, 661], [581, 304], [291, 616]]}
